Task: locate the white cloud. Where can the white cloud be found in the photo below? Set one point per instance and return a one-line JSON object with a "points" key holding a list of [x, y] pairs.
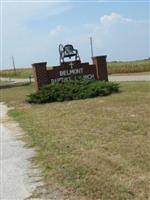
{"points": [[113, 18], [117, 36], [107, 21], [122, 37], [55, 31]]}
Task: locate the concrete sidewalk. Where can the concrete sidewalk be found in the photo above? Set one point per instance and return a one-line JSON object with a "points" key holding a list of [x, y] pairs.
{"points": [[16, 177], [16, 80]]}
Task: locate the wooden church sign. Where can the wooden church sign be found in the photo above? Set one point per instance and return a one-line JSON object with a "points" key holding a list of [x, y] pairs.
{"points": [[69, 70]]}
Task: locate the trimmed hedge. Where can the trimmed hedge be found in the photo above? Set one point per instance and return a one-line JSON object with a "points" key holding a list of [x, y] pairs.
{"points": [[73, 90]]}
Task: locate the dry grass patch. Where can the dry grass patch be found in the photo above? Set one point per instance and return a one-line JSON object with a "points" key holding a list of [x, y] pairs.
{"points": [[92, 149]]}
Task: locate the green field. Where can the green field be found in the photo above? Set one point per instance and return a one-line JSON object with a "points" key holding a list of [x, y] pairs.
{"points": [[113, 68], [20, 73], [129, 67], [93, 149]]}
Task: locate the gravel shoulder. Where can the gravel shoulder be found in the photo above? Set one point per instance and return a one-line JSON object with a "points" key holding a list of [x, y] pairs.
{"points": [[16, 177]]}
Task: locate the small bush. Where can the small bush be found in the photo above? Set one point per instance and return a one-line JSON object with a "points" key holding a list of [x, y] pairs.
{"points": [[70, 90]]}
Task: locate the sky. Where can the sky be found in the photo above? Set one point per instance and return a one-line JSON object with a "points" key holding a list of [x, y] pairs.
{"points": [[31, 31]]}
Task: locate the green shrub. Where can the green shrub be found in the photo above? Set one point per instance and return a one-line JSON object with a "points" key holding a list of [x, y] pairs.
{"points": [[70, 90]]}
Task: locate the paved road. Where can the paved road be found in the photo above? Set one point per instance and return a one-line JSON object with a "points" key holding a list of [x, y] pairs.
{"points": [[16, 80], [16, 182], [118, 77], [130, 77]]}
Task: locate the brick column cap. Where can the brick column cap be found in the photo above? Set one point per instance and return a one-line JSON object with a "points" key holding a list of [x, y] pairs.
{"points": [[104, 56], [40, 63]]}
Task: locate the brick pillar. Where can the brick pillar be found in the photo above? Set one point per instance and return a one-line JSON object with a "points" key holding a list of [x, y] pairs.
{"points": [[101, 67], [40, 74]]}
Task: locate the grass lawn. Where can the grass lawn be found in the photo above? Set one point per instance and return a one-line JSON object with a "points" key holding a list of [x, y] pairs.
{"points": [[3, 82], [93, 149]]}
